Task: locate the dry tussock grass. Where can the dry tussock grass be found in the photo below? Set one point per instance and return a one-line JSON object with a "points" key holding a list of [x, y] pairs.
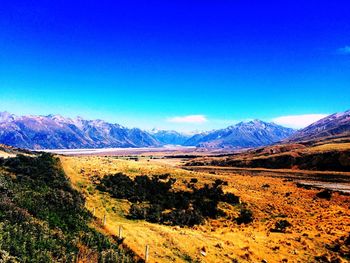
{"points": [[6, 155], [315, 222]]}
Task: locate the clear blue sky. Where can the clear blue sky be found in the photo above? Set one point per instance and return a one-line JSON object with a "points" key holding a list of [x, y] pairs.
{"points": [[144, 63]]}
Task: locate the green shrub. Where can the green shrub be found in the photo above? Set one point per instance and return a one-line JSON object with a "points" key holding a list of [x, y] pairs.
{"points": [[281, 226], [245, 216], [325, 194], [155, 200]]}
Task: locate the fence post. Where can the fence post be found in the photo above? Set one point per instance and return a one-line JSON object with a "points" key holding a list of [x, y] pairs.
{"points": [[147, 253], [104, 220], [120, 234]]}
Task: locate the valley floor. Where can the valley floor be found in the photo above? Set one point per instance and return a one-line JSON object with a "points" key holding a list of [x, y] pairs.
{"points": [[332, 180], [317, 224], [123, 151]]}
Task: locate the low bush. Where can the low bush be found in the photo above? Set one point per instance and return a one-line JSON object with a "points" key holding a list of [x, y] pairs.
{"points": [[245, 216], [155, 200], [281, 226], [194, 180], [325, 194]]}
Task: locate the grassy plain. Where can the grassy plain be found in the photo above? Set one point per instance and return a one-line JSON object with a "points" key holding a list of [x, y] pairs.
{"points": [[315, 222]]}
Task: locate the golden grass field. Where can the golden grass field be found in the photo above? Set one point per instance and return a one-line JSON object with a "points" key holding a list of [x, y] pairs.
{"points": [[315, 222], [6, 155]]}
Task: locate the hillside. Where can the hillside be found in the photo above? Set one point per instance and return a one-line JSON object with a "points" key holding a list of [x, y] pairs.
{"points": [[57, 132], [43, 219], [242, 135], [324, 157], [9, 151], [335, 125]]}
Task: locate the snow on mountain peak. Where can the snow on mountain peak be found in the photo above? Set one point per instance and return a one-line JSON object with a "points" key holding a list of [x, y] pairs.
{"points": [[6, 116]]}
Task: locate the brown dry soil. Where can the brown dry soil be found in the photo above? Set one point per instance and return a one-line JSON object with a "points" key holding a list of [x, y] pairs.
{"points": [[316, 224]]}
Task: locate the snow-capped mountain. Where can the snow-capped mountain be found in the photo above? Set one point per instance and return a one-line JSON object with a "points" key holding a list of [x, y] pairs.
{"points": [[242, 135], [57, 132]]}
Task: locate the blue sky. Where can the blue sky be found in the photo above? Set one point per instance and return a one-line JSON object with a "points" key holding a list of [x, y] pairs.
{"points": [[185, 65]]}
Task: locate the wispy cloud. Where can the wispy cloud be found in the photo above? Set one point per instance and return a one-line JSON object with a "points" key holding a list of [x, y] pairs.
{"points": [[344, 50], [298, 121], [222, 123], [188, 119]]}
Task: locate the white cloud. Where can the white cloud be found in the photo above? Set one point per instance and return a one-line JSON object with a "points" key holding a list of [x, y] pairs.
{"points": [[298, 121], [188, 119], [344, 50]]}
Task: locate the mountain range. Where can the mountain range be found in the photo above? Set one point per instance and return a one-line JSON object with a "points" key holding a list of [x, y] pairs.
{"points": [[57, 132], [243, 135]]}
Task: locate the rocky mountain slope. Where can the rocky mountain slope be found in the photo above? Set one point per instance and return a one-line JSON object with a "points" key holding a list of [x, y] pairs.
{"points": [[242, 135], [170, 137], [57, 132], [196, 139], [335, 125]]}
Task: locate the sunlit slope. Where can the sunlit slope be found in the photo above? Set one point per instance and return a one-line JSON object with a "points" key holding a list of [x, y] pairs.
{"points": [[326, 156], [43, 219], [315, 222]]}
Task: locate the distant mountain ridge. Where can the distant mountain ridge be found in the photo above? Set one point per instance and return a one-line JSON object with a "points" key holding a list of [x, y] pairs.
{"points": [[243, 135], [170, 137], [196, 139], [337, 124], [57, 132]]}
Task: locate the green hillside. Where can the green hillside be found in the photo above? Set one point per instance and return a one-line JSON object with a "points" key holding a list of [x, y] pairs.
{"points": [[43, 219]]}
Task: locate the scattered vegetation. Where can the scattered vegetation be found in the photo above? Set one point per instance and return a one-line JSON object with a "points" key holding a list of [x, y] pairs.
{"points": [[334, 158], [245, 216], [154, 199], [305, 186], [325, 194], [315, 224], [281, 226], [194, 180], [341, 246], [43, 219]]}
